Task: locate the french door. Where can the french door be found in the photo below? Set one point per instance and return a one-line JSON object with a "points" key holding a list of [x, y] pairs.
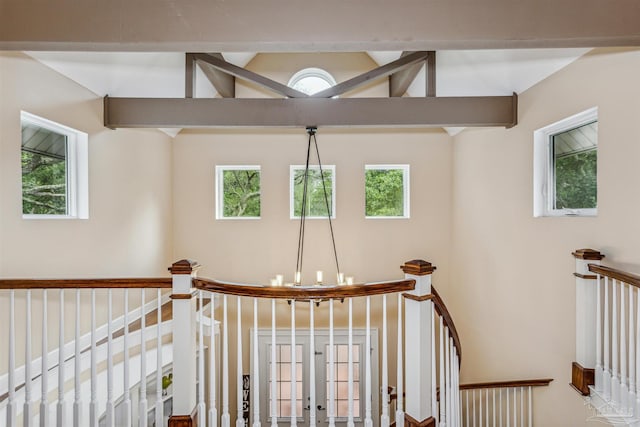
{"points": [[321, 354]]}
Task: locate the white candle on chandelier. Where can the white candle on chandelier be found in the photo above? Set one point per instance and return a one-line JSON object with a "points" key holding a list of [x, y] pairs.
{"points": [[297, 279], [350, 280], [274, 282], [279, 279], [340, 278], [319, 276]]}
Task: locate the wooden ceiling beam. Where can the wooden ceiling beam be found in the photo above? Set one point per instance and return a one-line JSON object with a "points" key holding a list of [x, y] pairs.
{"points": [[224, 83], [303, 112], [400, 81], [247, 75], [373, 75]]}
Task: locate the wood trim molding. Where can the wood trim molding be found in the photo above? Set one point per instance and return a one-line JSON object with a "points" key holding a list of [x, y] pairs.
{"points": [[181, 296], [582, 378], [588, 254], [418, 267], [419, 298], [586, 276], [184, 420], [184, 266], [629, 278], [305, 292], [506, 384], [162, 282], [409, 421], [442, 310]]}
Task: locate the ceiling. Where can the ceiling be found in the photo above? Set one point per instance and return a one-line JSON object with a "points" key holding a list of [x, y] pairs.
{"points": [[161, 74]]}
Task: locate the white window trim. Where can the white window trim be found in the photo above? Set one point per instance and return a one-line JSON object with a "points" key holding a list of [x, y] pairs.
{"points": [[220, 191], [77, 160], [292, 169], [312, 72], [405, 188], [543, 169]]}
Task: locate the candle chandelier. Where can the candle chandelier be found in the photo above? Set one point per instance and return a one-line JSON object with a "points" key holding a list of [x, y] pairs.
{"points": [[297, 279]]}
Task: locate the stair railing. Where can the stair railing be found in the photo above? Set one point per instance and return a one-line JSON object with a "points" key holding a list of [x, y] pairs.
{"points": [[81, 302], [607, 366]]}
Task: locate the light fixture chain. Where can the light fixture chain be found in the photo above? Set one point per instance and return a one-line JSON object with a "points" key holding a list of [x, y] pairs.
{"points": [[303, 208]]}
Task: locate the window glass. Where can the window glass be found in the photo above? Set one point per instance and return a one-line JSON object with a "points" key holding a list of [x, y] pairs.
{"points": [[54, 163], [311, 80], [238, 192], [284, 381], [315, 203], [575, 158], [386, 191], [341, 379]]}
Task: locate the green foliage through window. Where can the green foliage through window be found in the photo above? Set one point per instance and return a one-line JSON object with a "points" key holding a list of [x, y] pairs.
{"points": [[44, 185], [384, 193], [316, 206], [241, 193]]}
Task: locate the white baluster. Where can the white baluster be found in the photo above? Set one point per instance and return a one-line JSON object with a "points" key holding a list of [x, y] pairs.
{"points": [[631, 400], [332, 416], [445, 388], [508, 406], [159, 400], [624, 392], [202, 408], [93, 405], [500, 405], [256, 368], [126, 397], [11, 403], [225, 419], [515, 407], [598, 369], [142, 412], [522, 406], [27, 412], [312, 367], [213, 412], [480, 417], [434, 378], [384, 418], [274, 394], [466, 394], [443, 418], [637, 333], [44, 373], [110, 407], [294, 368], [77, 402], [530, 407], [368, 422], [606, 383], [350, 414], [494, 408], [486, 413], [615, 382], [239, 415], [473, 405], [399, 375], [61, 419]]}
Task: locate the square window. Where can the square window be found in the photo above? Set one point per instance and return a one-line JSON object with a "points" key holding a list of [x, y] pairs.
{"points": [[238, 192], [55, 175], [315, 204], [565, 166], [386, 191]]}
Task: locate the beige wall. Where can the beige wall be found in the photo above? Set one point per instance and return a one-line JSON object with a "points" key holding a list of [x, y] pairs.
{"points": [[512, 292], [128, 232]]}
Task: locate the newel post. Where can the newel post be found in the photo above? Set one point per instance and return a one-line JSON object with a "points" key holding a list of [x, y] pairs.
{"points": [[184, 344], [583, 369], [418, 351]]}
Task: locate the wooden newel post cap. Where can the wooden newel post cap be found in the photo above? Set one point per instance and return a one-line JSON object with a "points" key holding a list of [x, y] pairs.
{"points": [[184, 266], [588, 254], [418, 267]]}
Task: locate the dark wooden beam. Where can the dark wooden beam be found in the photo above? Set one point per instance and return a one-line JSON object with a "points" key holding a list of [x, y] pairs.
{"points": [[224, 83], [377, 73], [189, 75], [400, 81], [302, 112], [431, 74], [250, 76]]}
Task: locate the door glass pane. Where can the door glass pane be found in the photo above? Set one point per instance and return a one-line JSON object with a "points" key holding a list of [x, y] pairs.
{"points": [[283, 380], [341, 378]]}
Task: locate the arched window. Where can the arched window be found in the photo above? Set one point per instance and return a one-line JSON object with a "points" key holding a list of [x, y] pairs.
{"points": [[311, 80]]}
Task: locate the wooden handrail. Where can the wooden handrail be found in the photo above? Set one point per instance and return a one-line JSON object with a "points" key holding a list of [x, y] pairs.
{"points": [[154, 282], [630, 278], [304, 292], [507, 384], [442, 310]]}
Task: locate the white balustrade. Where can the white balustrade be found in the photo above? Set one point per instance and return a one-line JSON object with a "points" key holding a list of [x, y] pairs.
{"points": [[239, 412], [213, 412], [142, 411], [384, 418], [110, 414], [159, 409], [256, 368], [225, 419], [126, 398], [274, 394], [202, 409], [294, 368]]}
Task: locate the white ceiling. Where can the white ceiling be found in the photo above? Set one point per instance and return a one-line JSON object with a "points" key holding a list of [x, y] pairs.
{"points": [[459, 72]]}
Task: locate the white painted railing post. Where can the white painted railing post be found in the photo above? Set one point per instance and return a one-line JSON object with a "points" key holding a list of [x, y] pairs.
{"points": [[583, 369], [184, 343], [418, 350]]}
